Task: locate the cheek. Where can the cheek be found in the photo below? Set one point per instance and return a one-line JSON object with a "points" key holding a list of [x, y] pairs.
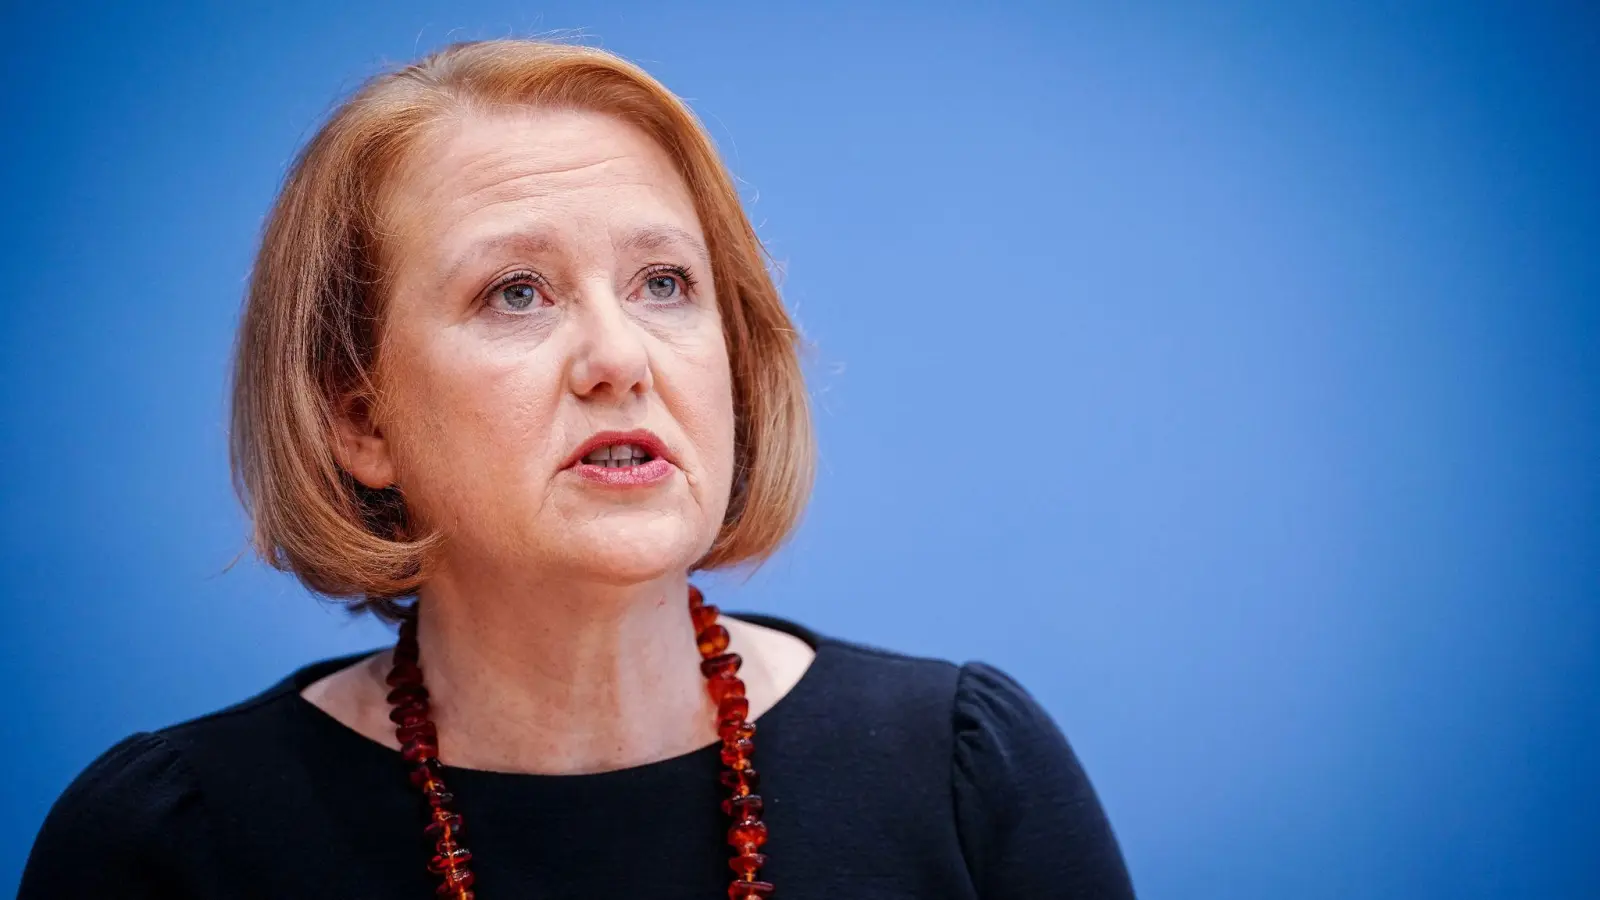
{"points": [[708, 419], [481, 422]]}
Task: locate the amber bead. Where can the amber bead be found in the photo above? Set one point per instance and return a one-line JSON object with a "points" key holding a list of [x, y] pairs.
{"points": [[742, 781], [704, 616], [444, 822], [438, 796], [732, 709], [696, 598], [724, 686], [736, 754], [409, 714], [424, 774], [730, 806], [746, 836], [407, 694], [736, 730], [449, 859], [411, 721], [456, 878], [713, 640], [418, 750], [406, 651], [746, 807], [418, 731], [746, 864], [404, 673], [724, 664], [749, 890]]}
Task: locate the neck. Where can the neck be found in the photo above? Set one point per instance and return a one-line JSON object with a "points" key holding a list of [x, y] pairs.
{"points": [[562, 677]]}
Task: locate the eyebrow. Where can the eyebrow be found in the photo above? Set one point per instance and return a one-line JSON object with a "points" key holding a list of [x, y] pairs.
{"points": [[531, 244], [651, 238], [660, 237]]}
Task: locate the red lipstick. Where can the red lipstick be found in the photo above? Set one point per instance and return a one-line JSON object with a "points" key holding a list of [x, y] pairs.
{"points": [[637, 472]]}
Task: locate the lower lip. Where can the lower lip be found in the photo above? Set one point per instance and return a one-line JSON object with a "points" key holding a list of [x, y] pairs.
{"points": [[653, 472]]}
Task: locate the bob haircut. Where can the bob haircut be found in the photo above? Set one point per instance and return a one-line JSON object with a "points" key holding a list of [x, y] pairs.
{"points": [[310, 339]]}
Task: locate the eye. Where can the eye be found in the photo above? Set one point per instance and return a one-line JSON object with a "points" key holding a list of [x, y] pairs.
{"points": [[668, 284], [662, 287], [517, 292]]}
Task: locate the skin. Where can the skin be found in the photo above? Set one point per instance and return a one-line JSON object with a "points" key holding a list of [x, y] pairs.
{"points": [[550, 280]]}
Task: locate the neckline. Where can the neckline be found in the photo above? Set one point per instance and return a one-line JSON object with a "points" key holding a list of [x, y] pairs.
{"points": [[773, 718]]}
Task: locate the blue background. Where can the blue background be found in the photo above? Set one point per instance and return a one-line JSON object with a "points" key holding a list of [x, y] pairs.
{"points": [[1228, 373]]}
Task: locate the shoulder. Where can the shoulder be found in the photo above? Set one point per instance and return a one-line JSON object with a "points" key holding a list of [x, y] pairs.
{"points": [[998, 723], [128, 810], [986, 711], [142, 771], [264, 726], [873, 712], [1026, 816], [992, 722], [151, 809], [983, 707]]}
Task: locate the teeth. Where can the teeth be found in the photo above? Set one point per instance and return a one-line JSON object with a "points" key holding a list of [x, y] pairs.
{"points": [[616, 456]]}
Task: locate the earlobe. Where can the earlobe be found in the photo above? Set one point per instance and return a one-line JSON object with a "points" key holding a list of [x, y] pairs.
{"points": [[360, 447]]}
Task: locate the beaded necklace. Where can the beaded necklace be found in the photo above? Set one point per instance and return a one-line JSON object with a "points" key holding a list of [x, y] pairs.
{"points": [[419, 745]]}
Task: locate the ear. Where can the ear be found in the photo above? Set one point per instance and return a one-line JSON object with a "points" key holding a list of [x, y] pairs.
{"points": [[359, 444]]}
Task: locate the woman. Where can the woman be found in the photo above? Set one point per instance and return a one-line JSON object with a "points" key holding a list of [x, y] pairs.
{"points": [[511, 368]]}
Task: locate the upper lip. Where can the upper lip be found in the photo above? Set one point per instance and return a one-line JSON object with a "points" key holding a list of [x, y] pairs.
{"points": [[639, 437]]}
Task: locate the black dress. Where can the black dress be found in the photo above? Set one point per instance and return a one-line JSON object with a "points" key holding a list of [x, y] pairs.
{"points": [[884, 776]]}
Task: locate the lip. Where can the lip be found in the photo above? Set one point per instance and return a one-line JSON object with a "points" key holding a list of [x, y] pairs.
{"points": [[639, 437]]}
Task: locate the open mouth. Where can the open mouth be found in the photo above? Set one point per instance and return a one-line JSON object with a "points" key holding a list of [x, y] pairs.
{"points": [[618, 456], [623, 459]]}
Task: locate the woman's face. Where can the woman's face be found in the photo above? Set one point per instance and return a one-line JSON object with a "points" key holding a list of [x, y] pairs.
{"points": [[551, 281]]}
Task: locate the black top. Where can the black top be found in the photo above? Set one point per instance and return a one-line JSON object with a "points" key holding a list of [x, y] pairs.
{"points": [[884, 776]]}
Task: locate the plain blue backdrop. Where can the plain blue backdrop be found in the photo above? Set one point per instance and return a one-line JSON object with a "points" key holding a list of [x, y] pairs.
{"points": [[1226, 372]]}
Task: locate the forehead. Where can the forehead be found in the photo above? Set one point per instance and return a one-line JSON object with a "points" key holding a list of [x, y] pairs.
{"points": [[534, 170]]}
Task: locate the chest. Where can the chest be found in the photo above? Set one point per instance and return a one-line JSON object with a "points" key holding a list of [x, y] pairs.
{"points": [[828, 838]]}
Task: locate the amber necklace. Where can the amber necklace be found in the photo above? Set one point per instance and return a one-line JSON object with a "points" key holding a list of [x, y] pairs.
{"points": [[419, 745]]}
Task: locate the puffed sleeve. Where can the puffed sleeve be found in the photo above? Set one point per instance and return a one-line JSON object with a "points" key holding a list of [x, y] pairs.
{"points": [[1029, 821], [130, 825]]}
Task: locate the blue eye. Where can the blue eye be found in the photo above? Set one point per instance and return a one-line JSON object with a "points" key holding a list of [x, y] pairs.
{"points": [[663, 287], [518, 296], [515, 295]]}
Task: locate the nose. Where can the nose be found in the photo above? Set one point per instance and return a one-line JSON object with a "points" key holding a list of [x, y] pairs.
{"points": [[611, 361]]}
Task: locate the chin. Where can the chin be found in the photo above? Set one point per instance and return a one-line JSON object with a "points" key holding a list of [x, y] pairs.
{"points": [[635, 553]]}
